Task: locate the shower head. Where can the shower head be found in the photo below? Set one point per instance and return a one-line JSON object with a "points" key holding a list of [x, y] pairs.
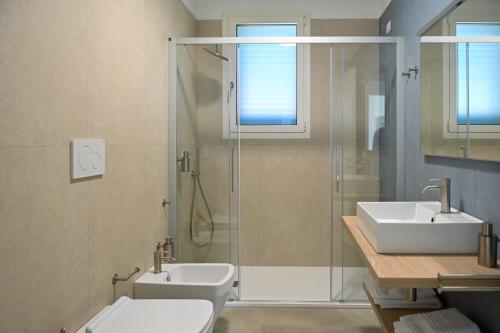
{"points": [[217, 53]]}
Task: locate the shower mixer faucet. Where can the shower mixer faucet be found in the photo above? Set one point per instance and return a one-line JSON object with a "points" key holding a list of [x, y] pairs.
{"points": [[185, 162]]}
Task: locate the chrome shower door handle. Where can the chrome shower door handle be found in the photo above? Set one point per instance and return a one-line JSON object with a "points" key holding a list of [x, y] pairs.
{"points": [[232, 168], [230, 91], [337, 174]]}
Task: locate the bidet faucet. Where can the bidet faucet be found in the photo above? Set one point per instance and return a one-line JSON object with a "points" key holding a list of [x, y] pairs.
{"points": [[159, 257], [444, 187]]}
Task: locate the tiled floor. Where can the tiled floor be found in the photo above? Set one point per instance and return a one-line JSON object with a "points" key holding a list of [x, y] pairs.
{"points": [[296, 320]]}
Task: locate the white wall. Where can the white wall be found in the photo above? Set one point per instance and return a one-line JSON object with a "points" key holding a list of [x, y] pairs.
{"points": [[320, 9]]}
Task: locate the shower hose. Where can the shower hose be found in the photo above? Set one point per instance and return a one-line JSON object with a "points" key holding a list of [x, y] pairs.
{"points": [[196, 181]]}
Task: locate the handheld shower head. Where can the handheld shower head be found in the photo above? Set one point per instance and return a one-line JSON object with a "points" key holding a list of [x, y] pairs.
{"points": [[217, 53]]}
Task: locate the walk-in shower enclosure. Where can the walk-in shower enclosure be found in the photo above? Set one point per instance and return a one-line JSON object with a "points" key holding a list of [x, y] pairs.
{"points": [[269, 198]]}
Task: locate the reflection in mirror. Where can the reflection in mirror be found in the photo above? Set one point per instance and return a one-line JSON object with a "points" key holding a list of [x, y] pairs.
{"points": [[469, 11], [460, 96], [441, 135]]}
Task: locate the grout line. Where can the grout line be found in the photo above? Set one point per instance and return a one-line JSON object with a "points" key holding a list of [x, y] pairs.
{"points": [[67, 145], [86, 110]]}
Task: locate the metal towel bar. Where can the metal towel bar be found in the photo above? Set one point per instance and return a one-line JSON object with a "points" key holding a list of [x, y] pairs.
{"points": [[478, 283], [117, 279]]}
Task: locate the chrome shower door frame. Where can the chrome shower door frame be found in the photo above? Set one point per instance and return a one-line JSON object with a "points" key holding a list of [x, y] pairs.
{"points": [[172, 126]]}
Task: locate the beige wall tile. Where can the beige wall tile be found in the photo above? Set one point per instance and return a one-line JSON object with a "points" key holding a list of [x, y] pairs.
{"points": [[80, 69], [43, 70], [44, 240], [344, 27], [208, 28], [184, 22], [249, 214], [126, 211], [116, 72]]}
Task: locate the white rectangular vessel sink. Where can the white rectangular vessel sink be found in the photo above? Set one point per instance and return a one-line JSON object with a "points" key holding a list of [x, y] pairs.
{"points": [[417, 227]]}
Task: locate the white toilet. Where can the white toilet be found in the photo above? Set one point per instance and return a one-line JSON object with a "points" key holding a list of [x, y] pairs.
{"points": [[153, 316]]}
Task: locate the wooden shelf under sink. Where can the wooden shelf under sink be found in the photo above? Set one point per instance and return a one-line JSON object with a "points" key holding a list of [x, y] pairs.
{"points": [[387, 317], [417, 270]]}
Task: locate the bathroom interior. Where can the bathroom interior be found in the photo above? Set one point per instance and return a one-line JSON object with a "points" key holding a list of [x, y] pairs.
{"points": [[229, 166]]}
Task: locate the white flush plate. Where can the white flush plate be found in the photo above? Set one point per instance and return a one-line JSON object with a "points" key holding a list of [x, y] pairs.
{"points": [[88, 158]]}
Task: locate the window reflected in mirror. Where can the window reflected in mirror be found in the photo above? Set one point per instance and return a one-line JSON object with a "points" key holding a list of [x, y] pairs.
{"points": [[460, 84]]}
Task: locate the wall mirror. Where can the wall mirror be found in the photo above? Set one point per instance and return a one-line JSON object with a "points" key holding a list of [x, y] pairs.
{"points": [[460, 82]]}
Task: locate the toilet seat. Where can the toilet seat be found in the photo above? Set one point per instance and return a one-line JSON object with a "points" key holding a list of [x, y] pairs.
{"points": [[152, 316]]}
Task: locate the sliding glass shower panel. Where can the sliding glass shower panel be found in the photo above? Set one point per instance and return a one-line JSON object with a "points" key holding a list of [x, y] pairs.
{"points": [[285, 210], [366, 88], [207, 198]]}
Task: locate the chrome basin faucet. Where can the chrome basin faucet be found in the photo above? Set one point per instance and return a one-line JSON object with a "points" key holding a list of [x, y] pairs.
{"points": [[444, 186]]}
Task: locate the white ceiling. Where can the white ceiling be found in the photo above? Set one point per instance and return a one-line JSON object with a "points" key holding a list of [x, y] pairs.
{"points": [[320, 9]]}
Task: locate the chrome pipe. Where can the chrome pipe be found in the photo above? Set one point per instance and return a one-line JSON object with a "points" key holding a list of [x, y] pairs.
{"points": [[442, 277], [468, 289], [217, 52], [411, 294], [495, 279]]}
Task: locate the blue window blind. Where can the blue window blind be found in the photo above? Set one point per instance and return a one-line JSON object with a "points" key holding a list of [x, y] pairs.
{"points": [[480, 73], [267, 77]]}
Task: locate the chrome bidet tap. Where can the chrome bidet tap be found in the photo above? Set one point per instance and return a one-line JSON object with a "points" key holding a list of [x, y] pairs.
{"points": [[160, 256]]}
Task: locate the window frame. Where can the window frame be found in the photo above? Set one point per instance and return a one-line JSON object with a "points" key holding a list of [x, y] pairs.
{"points": [[451, 128], [302, 129]]}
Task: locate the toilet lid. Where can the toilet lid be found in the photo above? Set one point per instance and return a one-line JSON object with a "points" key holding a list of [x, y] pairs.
{"points": [[152, 316]]}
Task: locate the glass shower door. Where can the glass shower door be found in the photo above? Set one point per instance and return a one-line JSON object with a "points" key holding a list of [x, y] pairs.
{"points": [[285, 215], [361, 147], [292, 245], [207, 153]]}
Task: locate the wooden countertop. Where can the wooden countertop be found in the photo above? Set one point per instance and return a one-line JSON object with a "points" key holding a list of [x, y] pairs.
{"points": [[417, 270]]}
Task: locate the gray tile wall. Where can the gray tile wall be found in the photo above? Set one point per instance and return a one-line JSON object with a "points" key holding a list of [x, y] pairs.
{"points": [[475, 184]]}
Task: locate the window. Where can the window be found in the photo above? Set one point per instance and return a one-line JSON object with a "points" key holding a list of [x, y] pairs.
{"points": [[478, 76], [267, 77], [272, 80]]}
